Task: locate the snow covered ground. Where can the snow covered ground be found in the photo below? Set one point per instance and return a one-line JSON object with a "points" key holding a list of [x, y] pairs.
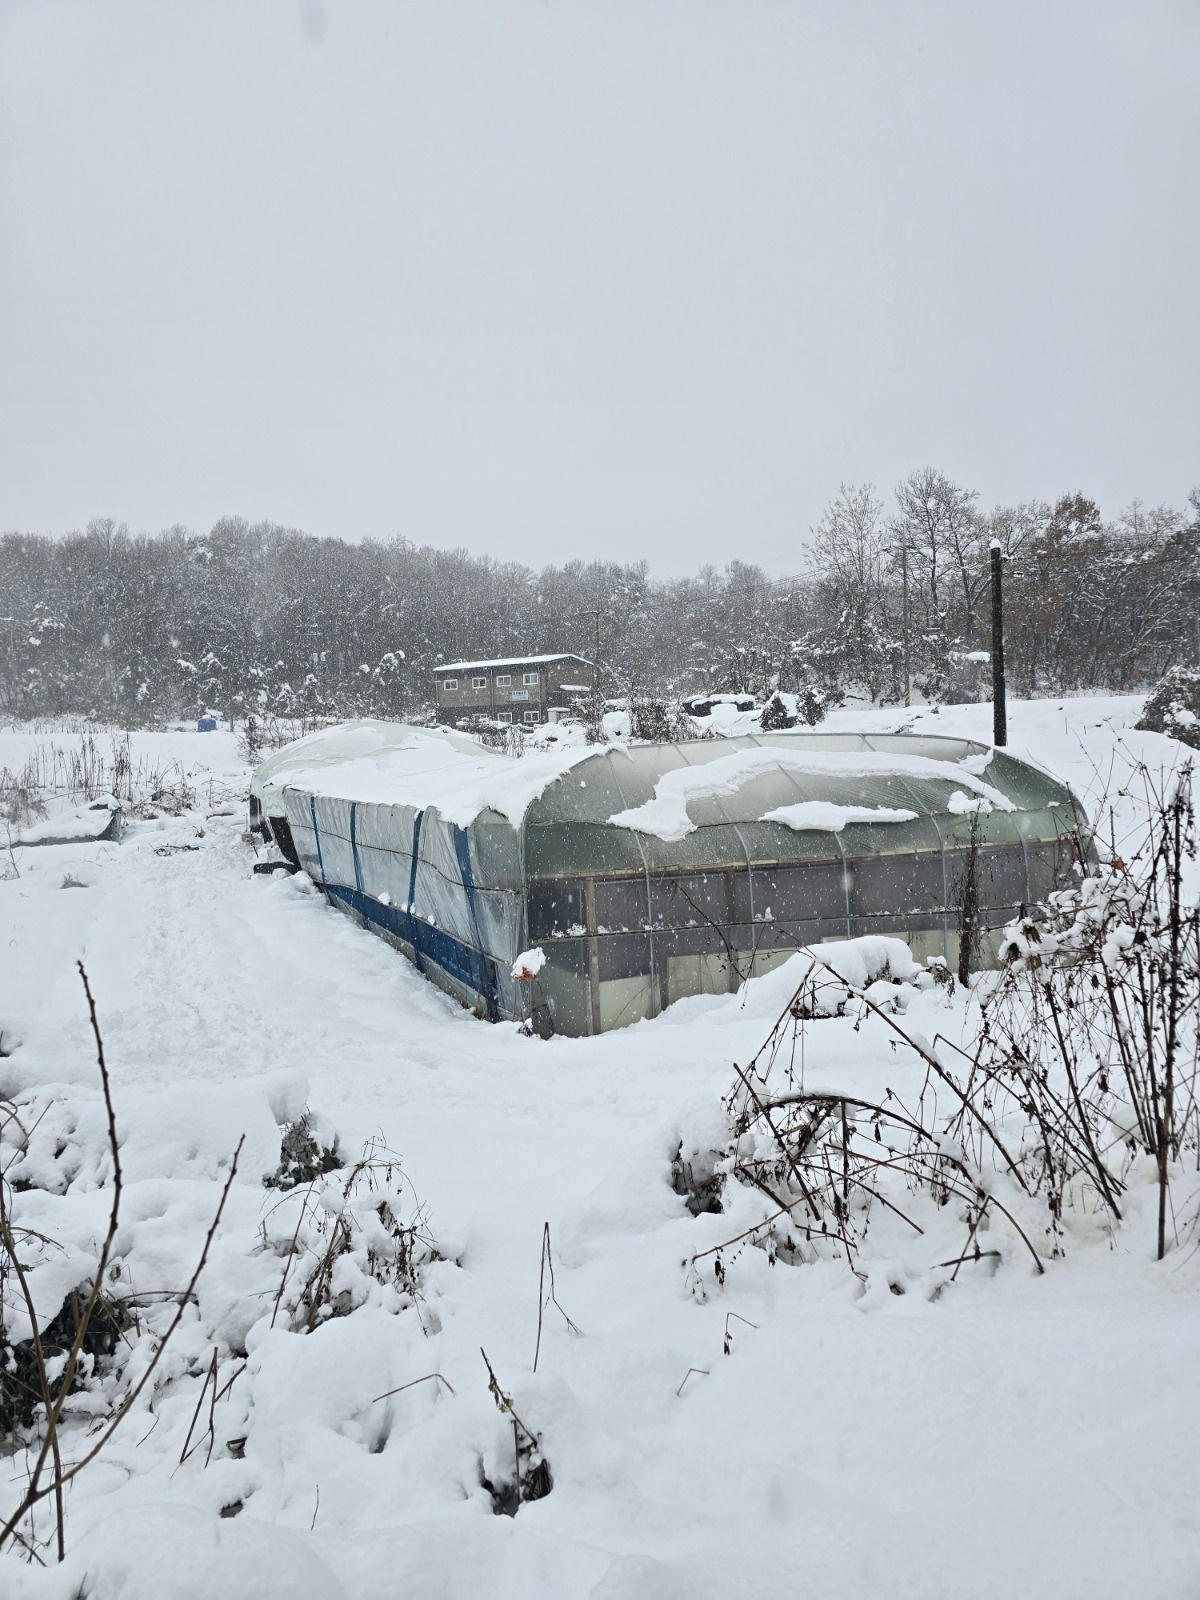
{"points": [[1016, 1435]]}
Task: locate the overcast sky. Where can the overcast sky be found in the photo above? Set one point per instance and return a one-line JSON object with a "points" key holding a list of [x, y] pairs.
{"points": [[554, 280]]}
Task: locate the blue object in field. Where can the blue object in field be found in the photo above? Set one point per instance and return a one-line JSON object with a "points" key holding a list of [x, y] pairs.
{"points": [[206, 725]]}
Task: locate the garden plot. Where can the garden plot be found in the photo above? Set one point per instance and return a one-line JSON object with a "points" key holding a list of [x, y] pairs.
{"points": [[322, 1421]]}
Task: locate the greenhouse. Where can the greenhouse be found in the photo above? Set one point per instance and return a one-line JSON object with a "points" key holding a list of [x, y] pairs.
{"points": [[649, 873]]}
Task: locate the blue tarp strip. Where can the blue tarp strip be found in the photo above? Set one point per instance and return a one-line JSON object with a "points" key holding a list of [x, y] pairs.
{"points": [[354, 849], [469, 966], [354, 845], [412, 880], [312, 811], [462, 849]]}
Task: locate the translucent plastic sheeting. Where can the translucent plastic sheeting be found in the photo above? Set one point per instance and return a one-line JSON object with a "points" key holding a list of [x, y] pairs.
{"points": [[630, 921], [412, 877]]}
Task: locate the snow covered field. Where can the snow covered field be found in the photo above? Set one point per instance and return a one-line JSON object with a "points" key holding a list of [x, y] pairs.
{"points": [[1017, 1435]]}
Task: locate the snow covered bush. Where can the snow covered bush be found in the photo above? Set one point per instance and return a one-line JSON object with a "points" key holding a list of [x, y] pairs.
{"points": [[1091, 1033], [345, 1243], [526, 1476], [48, 1141], [1072, 1108], [308, 1149], [811, 1171], [649, 718], [23, 1364], [1174, 707], [265, 731], [968, 677], [62, 1321], [834, 1169], [783, 710], [21, 799], [657, 720]]}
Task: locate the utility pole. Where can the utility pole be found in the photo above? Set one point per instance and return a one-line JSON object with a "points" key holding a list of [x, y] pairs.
{"points": [[907, 671], [999, 707]]}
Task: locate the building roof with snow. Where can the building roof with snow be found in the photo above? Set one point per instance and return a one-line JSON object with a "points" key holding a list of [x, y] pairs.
{"points": [[507, 661]]}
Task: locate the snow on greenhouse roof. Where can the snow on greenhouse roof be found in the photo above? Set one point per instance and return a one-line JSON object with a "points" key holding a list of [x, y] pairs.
{"points": [[391, 763], [368, 738], [825, 817], [806, 782], [666, 815]]}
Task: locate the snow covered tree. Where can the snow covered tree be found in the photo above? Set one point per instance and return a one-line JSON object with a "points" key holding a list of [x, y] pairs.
{"points": [[850, 552]]}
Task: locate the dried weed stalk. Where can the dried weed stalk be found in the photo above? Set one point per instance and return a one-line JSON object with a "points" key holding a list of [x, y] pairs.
{"points": [[1090, 1040], [48, 1472], [1085, 1067]]}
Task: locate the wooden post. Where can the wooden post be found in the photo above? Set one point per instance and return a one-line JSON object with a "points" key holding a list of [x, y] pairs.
{"points": [[593, 951], [907, 665], [735, 976]]}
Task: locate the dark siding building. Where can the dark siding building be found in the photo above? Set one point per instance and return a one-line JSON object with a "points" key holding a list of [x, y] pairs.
{"points": [[524, 690]]}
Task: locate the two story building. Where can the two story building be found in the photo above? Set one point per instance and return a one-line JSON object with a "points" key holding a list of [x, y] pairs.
{"points": [[518, 689]]}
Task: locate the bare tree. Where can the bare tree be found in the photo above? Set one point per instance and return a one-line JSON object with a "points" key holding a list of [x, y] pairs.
{"points": [[850, 552], [937, 523]]}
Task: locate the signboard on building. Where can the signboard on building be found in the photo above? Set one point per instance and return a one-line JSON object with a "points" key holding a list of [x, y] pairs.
{"points": [[520, 694]]}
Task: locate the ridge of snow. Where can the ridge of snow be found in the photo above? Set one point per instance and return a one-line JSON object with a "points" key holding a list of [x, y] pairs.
{"points": [[666, 815], [822, 816], [80, 825], [511, 661]]}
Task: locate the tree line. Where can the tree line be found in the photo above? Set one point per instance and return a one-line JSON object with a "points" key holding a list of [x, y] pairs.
{"points": [[140, 628]]}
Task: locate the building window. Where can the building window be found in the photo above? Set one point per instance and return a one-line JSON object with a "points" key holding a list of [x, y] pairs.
{"points": [[532, 716], [529, 677], [479, 683], [504, 716], [449, 683], [503, 680]]}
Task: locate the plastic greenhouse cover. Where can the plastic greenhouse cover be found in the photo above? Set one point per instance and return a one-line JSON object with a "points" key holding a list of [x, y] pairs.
{"points": [[1029, 785], [1058, 820], [591, 792], [367, 738], [668, 813], [382, 763], [580, 849], [710, 804], [665, 790], [362, 855]]}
